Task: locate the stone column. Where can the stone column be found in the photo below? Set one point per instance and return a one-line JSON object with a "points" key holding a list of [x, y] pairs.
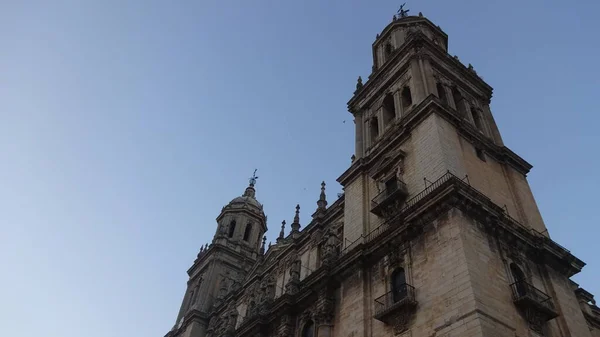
{"points": [[449, 99], [380, 119], [417, 87], [358, 125], [398, 104], [367, 133]]}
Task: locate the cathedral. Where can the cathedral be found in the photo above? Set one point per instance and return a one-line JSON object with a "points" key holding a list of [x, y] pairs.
{"points": [[437, 232]]}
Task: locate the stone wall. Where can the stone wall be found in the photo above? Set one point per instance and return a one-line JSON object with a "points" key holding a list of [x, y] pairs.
{"points": [[462, 284]]}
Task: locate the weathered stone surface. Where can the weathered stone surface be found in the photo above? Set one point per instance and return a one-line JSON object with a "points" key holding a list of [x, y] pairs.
{"points": [[423, 122]]}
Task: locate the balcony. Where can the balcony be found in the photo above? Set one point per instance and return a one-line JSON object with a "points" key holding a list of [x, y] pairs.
{"points": [[390, 199], [533, 301], [395, 304]]}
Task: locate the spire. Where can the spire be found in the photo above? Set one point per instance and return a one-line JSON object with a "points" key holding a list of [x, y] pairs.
{"points": [[296, 223], [322, 203], [282, 232]]}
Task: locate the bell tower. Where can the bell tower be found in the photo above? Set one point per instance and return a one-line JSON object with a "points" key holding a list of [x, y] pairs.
{"points": [[222, 266], [421, 114], [431, 167]]}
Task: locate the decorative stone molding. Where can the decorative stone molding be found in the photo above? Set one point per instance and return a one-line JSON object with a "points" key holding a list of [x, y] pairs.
{"points": [[325, 307]]}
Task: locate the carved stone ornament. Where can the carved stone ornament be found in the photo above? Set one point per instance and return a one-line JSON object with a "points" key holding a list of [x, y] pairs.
{"points": [[285, 328], [441, 79], [401, 322], [400, 169]]}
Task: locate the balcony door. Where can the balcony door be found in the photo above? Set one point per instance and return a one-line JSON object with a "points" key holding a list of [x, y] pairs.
{"points": [[391, 186], [398, 285]]}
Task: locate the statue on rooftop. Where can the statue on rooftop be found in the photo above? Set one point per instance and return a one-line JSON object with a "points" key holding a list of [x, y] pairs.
{"points": [[403, 12]]}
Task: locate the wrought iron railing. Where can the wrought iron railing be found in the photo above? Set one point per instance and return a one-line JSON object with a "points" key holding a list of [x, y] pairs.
{"points": [[403, 296], [526, 293], [389, 192]]}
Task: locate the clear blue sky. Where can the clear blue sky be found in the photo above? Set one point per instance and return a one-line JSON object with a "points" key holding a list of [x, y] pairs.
{"points": [[126, 126]]}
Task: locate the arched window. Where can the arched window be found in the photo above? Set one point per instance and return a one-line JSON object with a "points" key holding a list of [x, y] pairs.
{"points": [[477, 119], [231, 228], [442, 93], [374, 129], [458, 101], [399, 290], [389, 109], [247, 232], [309, 329], [406, 98], [519, 278]]}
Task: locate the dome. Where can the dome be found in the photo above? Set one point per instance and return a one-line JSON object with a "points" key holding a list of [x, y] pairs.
{"points": [[247, 200]]}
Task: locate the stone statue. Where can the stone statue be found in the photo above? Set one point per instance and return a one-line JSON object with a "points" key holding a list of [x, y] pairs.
{"points": [[403, 12]]}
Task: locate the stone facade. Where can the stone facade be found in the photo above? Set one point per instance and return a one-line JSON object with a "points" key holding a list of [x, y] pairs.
{"points": [[437, 233]]}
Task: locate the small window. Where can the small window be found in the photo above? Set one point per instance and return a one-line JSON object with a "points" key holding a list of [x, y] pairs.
{"points": [[309, 329], [442, 93], [480, 153], [406, 98], [231, 228], [247, 232], [389, 109]]}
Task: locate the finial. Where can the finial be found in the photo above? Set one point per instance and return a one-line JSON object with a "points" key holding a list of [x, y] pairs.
{"points": [[359, 83], [403, 12], [322, 203], [420, 14], [253, 178], [353, 158], [297, 216], [394, 18], [282, 232], [296, 223]]}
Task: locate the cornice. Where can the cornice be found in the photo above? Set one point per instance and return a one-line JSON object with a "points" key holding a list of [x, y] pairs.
{"points": [[408, 21], [427, 49], [401, 130], [210, 253]]}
